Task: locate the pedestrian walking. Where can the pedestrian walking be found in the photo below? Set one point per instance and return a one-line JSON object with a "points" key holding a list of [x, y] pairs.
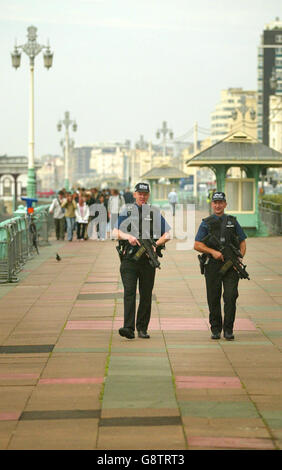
{"points": [[115, 203], [81, 217], [173, 199], [58, 215], [139, 220], [225, 229], [69, 204], [102, 225]]}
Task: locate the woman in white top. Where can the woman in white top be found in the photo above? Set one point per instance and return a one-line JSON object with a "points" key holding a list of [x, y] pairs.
{"points": [[82, 216]]}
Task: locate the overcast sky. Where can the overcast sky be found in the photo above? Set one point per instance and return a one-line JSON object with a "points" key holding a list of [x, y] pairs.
{"points": [[122, 67]]}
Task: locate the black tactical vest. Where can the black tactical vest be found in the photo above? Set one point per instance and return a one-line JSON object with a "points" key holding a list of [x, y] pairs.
{"points": [[138, 221], [223, 228]]}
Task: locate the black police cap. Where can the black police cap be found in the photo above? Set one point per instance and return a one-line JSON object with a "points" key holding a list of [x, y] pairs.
{"points": [[218, 196], [142, 188]]}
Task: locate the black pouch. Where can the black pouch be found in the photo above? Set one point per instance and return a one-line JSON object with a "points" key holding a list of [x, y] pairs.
{"points": [[121, 249], [202, 260]]}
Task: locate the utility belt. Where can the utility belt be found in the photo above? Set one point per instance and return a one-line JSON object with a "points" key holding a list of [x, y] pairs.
{"points": [[205, 259], [125, 250], [137, 253]]}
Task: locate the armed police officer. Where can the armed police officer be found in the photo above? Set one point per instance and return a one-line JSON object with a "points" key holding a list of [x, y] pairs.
{"points": [[142, 231], [218, 236]]}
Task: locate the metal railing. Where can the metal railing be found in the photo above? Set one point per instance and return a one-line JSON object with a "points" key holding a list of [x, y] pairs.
{"points": [[16, 243], [271, 215]]}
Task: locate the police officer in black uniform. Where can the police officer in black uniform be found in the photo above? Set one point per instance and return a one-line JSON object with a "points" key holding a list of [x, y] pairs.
{"points": [[225, 228], [138, 220]]}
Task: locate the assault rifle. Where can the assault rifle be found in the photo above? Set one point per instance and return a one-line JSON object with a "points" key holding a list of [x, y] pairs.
{"points": [[231, 256], [146, 246]]}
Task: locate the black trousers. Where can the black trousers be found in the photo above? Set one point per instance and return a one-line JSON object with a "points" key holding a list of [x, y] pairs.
{"points": [[80, 232], [132, 271], [60, 228], [214, 284]]}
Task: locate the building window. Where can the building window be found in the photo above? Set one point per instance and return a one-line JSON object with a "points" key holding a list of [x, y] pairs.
{"points": [[232, 193], [240, 194], [247, 195], [7, 187], [278, 38]]}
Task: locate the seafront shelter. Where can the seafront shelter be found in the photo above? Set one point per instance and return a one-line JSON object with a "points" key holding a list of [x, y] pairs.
{"points": [[162, 180], [252, 158]]}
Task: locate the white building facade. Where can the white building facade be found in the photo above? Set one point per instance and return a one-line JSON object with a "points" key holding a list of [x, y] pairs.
{"points": [[222, 120]]}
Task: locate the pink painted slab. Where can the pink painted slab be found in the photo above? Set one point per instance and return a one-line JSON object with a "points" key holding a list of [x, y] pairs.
{"points": [[165, 324], [73, 380], [9, 416], [197, 324], [243, 324], [88, 304], [172, 324], [89, 325], [230, 443], [207, 382], [104, 291]]}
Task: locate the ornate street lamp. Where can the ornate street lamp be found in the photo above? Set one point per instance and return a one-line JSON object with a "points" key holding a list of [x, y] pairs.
{"points": [[243, 109], [31, 49], [67, 122], [164, 131]]}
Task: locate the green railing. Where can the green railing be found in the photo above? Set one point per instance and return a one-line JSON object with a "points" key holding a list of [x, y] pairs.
{"points": [[16, 244], [271, 215]]}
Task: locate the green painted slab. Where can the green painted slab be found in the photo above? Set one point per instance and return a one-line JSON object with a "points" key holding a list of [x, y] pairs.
{"points": [[276, 334], [144, 366], [238, 342], [261, 307], [139, 350], [273, 418], [133, 391], [215, 409], [193, 346], [274, 423]]}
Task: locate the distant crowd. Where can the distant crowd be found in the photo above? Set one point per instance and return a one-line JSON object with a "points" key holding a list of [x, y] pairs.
{"points": [[74, 212]]}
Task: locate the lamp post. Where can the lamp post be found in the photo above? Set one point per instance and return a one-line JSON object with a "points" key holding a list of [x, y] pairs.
{"points": [[31, 49], [164, 131], [243, 110], [67, 122]]}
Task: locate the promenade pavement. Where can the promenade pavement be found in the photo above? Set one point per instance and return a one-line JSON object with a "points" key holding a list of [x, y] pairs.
{"points": [[69, 381]]}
